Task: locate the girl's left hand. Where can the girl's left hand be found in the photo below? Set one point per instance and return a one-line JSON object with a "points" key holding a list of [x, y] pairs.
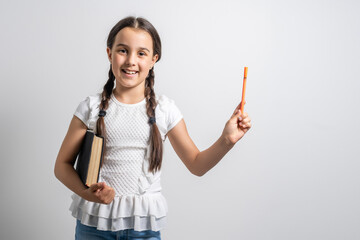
{"points": [[236, 126]]}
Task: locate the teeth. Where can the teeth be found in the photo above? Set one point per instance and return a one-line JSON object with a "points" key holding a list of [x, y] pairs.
{"points": [[129, 72]]}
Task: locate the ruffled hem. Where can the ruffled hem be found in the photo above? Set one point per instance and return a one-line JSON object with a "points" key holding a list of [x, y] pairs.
{"points": [[136, 222], [141, 212]]}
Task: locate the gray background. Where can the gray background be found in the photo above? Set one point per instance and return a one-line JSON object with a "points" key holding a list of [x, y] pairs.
{"points": [[293, 176]]}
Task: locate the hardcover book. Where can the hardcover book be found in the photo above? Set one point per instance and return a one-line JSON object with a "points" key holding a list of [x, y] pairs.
{"points": [[90, 158]]}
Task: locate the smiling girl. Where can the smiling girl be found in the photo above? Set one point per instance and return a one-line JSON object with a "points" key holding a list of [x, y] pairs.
{"points": [[127, 202]]}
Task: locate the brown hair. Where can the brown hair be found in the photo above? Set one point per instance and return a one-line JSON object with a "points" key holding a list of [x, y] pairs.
{"points": [[156, 145]]}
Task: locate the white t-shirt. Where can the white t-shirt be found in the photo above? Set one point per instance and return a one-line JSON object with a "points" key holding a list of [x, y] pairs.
{"points": [[138, 202]]}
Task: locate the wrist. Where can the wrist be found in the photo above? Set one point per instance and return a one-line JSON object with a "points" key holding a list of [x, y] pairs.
{"points": [[83, 193], [226, 142]]}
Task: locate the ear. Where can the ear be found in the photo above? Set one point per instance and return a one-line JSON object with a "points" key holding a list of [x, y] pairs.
{"points": [[108, 51], [155, 58]]}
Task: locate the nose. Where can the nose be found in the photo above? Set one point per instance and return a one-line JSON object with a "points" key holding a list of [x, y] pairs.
{"points": [[131, 59]]}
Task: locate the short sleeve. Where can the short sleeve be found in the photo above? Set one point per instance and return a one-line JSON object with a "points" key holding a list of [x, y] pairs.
{"points": [[83, 110], [167, 114], [174, 115]]}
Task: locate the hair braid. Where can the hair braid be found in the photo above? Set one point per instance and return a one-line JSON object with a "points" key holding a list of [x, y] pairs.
{"points": [[156, 145], [104, 104]]}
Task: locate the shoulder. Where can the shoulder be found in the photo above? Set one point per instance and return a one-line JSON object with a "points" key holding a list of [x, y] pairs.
{"points": [[89, 103], [164, 102], [93, 100], [88, 109], [167, 112], [90, 100]]}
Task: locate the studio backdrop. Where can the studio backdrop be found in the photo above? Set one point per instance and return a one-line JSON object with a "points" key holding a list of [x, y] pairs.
{"points": [[294, 175]]}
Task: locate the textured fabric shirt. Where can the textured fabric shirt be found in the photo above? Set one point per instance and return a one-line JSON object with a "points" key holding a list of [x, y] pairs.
{"points": [[138, 201]]}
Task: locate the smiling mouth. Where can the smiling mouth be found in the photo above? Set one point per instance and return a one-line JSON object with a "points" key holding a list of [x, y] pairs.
{"points": [[129, 72]]}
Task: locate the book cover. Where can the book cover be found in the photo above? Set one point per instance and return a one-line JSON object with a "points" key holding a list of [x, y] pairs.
{"points": [[90, 158]]}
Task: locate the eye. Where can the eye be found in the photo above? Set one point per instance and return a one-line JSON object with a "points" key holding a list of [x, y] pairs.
{"points": [[122, 51], [142, 54]]}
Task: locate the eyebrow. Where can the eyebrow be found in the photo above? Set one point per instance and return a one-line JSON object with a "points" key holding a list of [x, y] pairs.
{"points": [[124, 45]]}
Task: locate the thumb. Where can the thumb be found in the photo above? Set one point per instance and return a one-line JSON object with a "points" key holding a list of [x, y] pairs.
{"points": [[237, 113], [238, 107], [96, 186], [235, 117]]}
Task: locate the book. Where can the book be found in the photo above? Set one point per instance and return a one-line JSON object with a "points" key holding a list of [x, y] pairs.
{"points": [[90, 158]]}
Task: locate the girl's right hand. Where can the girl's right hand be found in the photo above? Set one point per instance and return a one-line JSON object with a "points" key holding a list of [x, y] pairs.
{"points": [[99, 192]]}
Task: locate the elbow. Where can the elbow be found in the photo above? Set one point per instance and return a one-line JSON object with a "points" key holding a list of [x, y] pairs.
{"points": [[56, 171], [197, 172], [195, 169]]}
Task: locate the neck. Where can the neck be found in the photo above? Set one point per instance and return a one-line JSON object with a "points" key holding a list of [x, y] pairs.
{"points": [[129, 96]]}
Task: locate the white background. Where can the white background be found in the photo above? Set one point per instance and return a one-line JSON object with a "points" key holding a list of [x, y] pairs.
{"points": [[294, 175]]}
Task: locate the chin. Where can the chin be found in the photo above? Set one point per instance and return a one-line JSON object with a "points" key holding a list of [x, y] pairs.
{"points": [[128, 83]]}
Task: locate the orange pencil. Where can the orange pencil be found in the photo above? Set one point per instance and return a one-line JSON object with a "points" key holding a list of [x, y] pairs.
{"points": [[243, 90]]}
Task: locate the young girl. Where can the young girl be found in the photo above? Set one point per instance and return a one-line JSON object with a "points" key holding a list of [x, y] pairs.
{"points": [[127, 202]]}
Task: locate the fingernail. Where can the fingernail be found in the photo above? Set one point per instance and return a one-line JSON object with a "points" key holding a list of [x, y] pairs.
{"points": [[240, 118]]}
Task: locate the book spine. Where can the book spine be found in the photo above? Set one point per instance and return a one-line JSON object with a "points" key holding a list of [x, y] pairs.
{"points": [[101, 158]]}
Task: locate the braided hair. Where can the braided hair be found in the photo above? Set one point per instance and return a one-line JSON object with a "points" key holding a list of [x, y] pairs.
{"points": [[155, 141]]}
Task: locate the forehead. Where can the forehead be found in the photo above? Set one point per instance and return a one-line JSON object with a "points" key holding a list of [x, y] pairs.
{"points": [[134, 37]]}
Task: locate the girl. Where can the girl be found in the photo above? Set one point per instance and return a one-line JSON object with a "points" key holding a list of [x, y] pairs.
{"points": [[127, 202]]}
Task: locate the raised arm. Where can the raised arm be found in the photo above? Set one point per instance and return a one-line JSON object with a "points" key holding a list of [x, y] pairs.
{"points": [[198, 162]]}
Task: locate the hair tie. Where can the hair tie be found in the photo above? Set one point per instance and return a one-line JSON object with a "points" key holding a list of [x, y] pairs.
{"points": [[152, 120], [102, 113]]}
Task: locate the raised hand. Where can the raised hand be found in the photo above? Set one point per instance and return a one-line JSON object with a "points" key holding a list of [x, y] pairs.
{"points": [[236, 126]]}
